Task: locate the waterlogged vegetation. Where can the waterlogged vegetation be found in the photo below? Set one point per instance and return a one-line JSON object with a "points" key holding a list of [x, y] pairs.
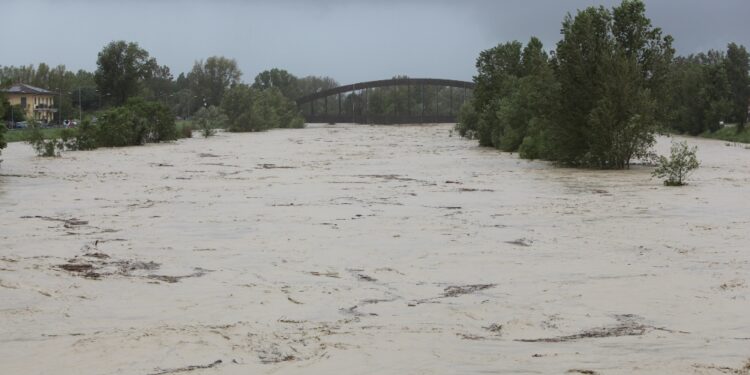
{"points": [[559, 105], [676, 168], [601, 107], [131, 99]]}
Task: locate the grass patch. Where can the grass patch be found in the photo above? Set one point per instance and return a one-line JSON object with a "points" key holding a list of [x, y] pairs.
{"points": [[21, 135], [729, 134]]}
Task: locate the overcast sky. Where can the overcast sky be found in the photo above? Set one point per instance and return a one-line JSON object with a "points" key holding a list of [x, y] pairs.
{"points": [[350, 41]]}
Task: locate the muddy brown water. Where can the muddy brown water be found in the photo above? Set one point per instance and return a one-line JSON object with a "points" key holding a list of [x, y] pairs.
{"points": [[368, 249]]}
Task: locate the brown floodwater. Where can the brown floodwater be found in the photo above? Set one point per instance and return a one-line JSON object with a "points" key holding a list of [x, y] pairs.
{"points": [[368, 249]]}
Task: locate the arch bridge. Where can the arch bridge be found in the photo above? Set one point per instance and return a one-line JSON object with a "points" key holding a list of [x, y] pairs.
{"points": [[388, 101]]}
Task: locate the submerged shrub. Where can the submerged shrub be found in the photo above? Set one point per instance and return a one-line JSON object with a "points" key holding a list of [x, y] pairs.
{"points": [[250, 110], [467, 120], [680, 164], [209, 119], [44, 147], [136, 123], [83, 137]]}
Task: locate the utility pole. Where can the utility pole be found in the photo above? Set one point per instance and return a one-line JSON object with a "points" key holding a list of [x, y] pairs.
{"points": [[59, 106], [80, 107], [421, 93]]}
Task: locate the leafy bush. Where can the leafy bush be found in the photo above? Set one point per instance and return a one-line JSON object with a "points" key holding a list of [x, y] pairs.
{"points": [[44, 147], [250, 110], [680, 164], [136, 123], [83, 137], [209, 119], [536, 144], [155, 121], [117, 127], [467, 120]]}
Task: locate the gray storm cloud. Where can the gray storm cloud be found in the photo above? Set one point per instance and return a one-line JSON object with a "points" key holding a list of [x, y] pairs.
{"points": [[348, 40]]}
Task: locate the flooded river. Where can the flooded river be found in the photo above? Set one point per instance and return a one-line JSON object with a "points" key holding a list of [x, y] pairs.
{"points": [[368, 250]]}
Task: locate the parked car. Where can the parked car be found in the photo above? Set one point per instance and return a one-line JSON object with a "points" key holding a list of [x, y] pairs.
{"points": [[21, 125]]}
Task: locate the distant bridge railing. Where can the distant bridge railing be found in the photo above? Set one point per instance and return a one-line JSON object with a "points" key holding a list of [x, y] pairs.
{"points": [[427, 113]]}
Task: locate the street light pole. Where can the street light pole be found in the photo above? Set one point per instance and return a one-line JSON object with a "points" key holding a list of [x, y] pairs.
{"points": [[59, 107]]}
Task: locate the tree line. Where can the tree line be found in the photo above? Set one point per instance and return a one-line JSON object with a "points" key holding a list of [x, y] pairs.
{"points": [[598, 100], [131, 99]]}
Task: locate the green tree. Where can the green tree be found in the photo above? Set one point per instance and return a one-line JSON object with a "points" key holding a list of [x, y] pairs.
{"points": [[159, 86], [612, 67], [515, 88], [122, 68], [237, 105], [497, 70], [737, 67], [209, 80], [533, 100], [286, 82], [699, 96], [13, 112]]}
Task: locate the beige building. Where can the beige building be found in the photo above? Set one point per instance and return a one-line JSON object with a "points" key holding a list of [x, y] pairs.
{"points": [[37, 103]]}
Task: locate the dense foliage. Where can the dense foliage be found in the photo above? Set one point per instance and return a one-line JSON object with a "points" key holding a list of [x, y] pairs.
{"points": [[287, 83], [121, 70], [737, 66], [611, 69], [209, 80], [514, 99], [709, 89], [43, 147], [249, 109], [611, 84], [135, 123]]}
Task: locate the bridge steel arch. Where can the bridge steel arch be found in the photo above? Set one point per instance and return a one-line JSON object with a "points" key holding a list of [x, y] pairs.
{"points": [[426, 115]]}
